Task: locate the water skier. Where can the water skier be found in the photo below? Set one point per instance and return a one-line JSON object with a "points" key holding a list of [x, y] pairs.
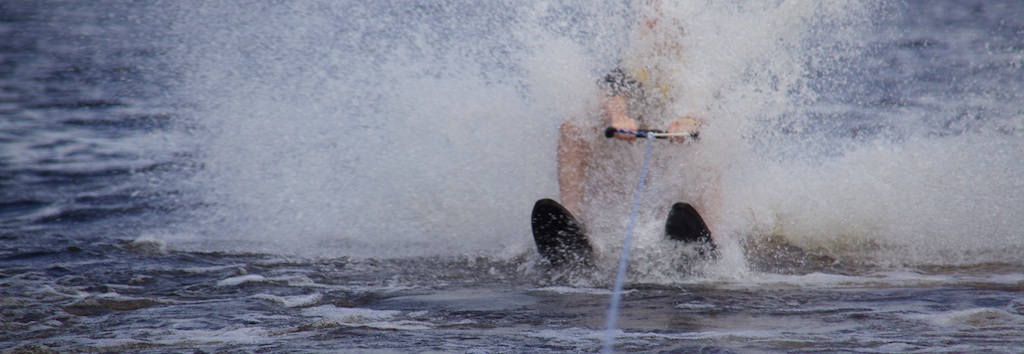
{"points": [[637, 94]]}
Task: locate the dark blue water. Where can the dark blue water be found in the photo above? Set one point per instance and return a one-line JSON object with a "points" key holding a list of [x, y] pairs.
{"points": [[347, 177]]}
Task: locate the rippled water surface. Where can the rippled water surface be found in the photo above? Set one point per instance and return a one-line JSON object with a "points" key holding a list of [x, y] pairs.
{"points": [[344, 177]]}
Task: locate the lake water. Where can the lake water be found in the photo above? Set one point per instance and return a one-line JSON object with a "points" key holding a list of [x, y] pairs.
{"points": [[341, 176]]}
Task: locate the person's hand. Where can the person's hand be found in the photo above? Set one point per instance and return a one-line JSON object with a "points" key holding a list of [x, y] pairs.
{"points": [[686, 125], [621, 121]]}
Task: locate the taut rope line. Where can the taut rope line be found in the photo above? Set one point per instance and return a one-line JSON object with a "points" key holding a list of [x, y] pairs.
{"points": [[620, 277]]}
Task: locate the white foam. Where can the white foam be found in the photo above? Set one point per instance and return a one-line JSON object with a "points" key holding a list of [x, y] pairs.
{"points": [[49, 290], [978, 317], [290, 280], [1004, 279], [148, 244], [882, 279], [235, 281], [203, 270], [229, 335], [568, 290], [579, 339], [292, 301], [361, 317], [695, 306]]}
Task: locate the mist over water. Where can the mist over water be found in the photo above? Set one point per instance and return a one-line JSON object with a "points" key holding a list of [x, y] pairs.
{"points": [[388, 130], [911, 160], [395, 130]]}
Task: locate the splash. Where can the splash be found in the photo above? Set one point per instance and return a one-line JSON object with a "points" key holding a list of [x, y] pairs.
{"points": [[875, 175], [376, 129], [394, 130]]}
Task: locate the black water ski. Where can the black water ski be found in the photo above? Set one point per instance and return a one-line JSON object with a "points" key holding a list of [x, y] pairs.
{"points": [[685, 224], [559, 237]]}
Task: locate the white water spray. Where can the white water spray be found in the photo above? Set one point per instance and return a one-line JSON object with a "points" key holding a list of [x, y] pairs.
{"points": [[382, 130]]}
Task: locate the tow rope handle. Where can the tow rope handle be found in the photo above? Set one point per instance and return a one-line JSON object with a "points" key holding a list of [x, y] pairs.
{"points": [[644, 133]]}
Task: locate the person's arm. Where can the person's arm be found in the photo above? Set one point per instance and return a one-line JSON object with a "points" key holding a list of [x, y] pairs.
{"points": [[685, 125], [615, 113]]}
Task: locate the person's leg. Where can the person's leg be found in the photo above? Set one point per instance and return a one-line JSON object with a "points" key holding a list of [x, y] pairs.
{"points": [[572, 165]]}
